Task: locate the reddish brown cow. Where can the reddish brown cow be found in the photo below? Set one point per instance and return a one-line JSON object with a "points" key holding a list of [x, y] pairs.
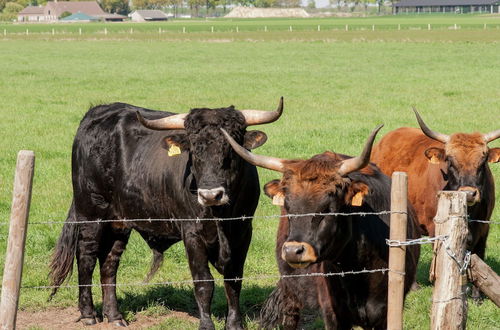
{"points": [[323, 233], [436, 161]]}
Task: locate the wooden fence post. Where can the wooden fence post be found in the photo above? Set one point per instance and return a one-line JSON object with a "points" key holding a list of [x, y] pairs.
{"points": [[397, 254], [17, 237], [485, 279], [449, 301]]}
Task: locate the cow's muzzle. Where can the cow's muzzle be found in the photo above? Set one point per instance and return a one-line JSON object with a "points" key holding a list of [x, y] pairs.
{"points": [[212, 197], [298, 254], [473, 194]]}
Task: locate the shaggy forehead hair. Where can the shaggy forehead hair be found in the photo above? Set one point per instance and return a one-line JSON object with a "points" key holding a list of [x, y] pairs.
{"points": [[469, 150], [205, 124], [318, 174]]}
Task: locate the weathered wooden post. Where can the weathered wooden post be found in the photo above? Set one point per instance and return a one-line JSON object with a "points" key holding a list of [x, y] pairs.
{"points": [[17, 237], [397, 254], [485, 279], [449, 300]]}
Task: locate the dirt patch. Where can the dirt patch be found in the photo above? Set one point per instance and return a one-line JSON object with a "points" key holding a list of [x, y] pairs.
{"points": [[64, 318]]}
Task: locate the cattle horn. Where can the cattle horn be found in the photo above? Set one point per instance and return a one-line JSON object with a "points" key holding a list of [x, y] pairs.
{"points": [[430, 133], [258, 117], [270, 163], [170, 122], [491, 136], [357, 163]]}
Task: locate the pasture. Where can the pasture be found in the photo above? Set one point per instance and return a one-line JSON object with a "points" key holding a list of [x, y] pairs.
{"points": [[337, 88]]}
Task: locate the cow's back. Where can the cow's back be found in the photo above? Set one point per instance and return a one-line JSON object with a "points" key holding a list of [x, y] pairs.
{"points": [[404, 150], [118, 166]]}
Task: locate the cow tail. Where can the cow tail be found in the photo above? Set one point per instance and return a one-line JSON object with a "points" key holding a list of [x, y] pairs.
{"points": [[271, 312], [61, 264], [155, 264]]}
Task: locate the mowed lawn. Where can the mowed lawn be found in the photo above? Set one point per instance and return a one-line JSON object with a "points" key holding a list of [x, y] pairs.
{"points": [[336, 91]]}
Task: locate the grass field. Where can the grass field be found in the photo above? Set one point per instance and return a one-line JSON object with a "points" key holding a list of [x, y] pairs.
{"points": [[337, 87]]}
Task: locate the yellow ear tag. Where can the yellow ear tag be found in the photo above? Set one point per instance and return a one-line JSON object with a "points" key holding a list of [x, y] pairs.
{"points": [[279, 199], [174, 150], [357, 200], [434, 160]]}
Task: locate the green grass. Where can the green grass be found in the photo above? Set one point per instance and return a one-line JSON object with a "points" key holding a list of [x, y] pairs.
{"points": [[336, 89]]}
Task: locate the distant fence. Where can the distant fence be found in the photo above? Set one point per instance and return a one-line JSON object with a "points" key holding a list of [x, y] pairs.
{"points": [[449, 267], [210, 27]]}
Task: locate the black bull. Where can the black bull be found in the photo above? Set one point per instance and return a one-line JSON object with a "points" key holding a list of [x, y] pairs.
{"points": [[181, 168]]}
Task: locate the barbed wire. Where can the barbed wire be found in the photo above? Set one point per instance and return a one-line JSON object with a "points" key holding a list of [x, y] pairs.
{"points": [[418, 241], [491, 222], [251, 278], [245, 217]]}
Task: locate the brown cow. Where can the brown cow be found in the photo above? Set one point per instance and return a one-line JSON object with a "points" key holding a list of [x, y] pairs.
{"points": [[435, 161], [319, 241]]}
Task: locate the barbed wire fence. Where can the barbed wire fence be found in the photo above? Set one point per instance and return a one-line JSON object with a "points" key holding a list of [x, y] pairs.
{"points": [[18, 227]]}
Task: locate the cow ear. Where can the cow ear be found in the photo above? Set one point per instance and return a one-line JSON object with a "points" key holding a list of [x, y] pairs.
{"points": [[175, 144], [494, 155], [435, 155], [356, 193], [273, 190], [254, 139]]}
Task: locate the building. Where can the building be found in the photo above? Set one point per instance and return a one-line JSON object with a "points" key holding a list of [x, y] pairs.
{"points": [[54, 9], [31, 14], [447, 6], [147, 15], [79, 17]]}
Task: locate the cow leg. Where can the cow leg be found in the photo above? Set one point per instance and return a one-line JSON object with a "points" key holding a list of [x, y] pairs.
{"points": [[233, 288], [326, 303], [112, 246], [86, 257], [203, 290]]}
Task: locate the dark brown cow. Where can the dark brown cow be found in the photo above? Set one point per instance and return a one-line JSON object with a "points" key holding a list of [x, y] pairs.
{"points": [[436, 161], [324, 242]]}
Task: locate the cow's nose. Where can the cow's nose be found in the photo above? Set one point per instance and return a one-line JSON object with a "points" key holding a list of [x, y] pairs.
{"points": [[298, 254], [210, 197], [473, 195], [294, 250]]}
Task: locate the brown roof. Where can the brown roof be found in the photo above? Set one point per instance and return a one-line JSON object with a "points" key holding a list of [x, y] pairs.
{"points": [[88, 7], [32, 10]]}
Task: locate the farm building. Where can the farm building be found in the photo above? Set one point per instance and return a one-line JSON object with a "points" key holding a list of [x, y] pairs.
{"points": [[147, 15], [54, 9], [79, 17], [447, 6]]}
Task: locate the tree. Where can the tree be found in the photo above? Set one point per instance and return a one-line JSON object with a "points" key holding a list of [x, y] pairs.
{"points": [[65, 14], [2, 4], [10, 11], [115, 6]]}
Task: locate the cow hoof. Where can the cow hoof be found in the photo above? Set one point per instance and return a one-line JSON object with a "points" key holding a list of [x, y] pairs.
{"points": [[119, 323], [415, 287], [88, 321], [207, 325]]}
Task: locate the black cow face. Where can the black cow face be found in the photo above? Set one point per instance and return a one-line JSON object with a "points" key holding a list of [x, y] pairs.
{"points": [[214, 164], [314, 186]]}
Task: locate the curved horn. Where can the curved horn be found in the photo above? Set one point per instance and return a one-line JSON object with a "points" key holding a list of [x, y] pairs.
{"points": [[170, 122], [357, 163], [258, 117], [491, 136], [430, 133], [270, 163]]}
